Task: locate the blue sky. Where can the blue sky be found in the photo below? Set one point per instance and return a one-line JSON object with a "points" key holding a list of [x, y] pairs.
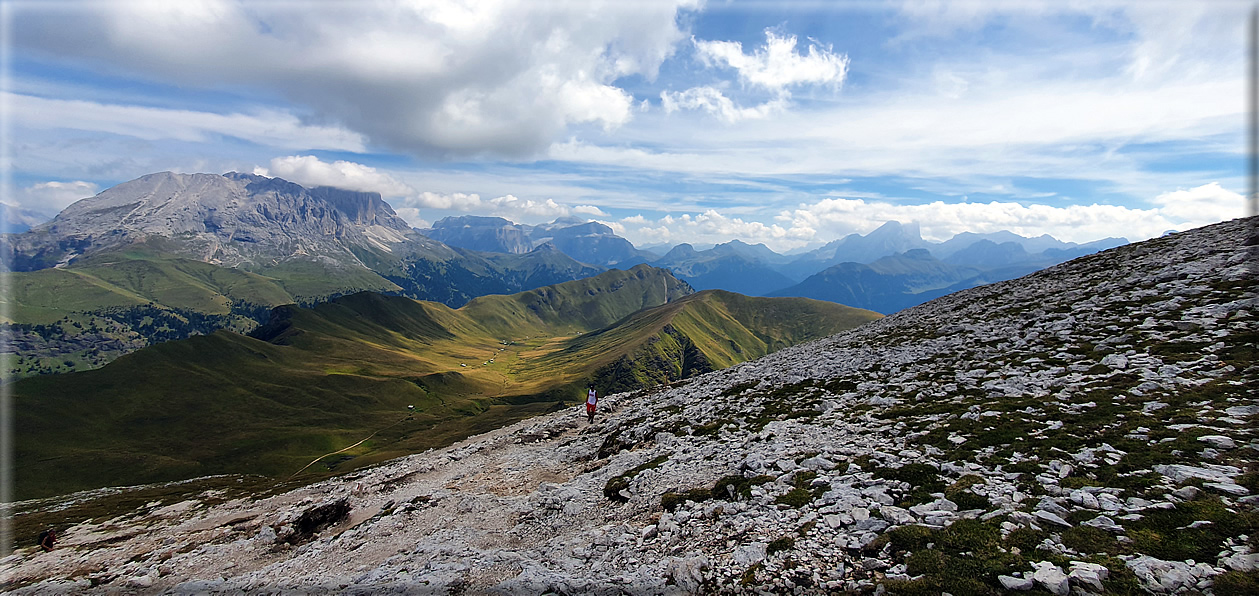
{"points": [[787, 123]]}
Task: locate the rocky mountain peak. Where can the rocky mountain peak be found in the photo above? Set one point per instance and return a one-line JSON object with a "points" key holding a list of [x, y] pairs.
{"points": [[233, 219]]}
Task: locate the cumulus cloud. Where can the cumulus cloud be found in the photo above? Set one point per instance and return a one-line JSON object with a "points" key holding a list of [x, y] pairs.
{"points": [[507, 206], [709, 226], [51, 197], [776, 65], [1202, 205], [457, 201], [412, 216], [432, 78], [310, 171], [618, 228], [510, 206]]}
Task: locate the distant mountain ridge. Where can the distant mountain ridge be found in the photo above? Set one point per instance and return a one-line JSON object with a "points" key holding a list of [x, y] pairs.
{"points": [[314, 238], [136, 264], [834, 271], [586, 241]]}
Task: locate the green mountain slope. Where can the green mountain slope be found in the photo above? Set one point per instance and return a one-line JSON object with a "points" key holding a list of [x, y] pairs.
{"points": [[318, 380], [707, 331]]}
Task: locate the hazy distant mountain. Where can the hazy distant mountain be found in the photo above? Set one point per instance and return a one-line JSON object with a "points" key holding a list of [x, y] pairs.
{"points": [[898, 281], [586, 241], [15, 220], [890, 238], [963, 240], [486, 234], [591, 242], [733, 266], [658, 249], [989, 254], [902, 255], [730, 272], [1062, 255], [757, 252]]}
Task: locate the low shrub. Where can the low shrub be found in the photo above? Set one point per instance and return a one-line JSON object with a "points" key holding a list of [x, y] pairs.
{"points": [[782, 544], [796, 497], [671, 500]]}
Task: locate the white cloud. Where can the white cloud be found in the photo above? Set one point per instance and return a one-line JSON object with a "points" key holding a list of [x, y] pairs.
{"points": [[412, 216], [589, 210], [266, 127], [834, 218], [1005, 125], [310, 171], [618, 228], [433, 78], [776, 65], [1202, 205], [507, 206], [709, 226], [518, 209], [830, 219], [52, 197], [711, 100], [457, 201]]}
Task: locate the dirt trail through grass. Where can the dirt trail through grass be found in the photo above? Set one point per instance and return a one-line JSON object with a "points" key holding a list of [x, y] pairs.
{"points": [[316, 460]]}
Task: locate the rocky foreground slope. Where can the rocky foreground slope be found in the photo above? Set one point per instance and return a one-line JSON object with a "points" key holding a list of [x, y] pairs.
{"points": [[1088, 428]]}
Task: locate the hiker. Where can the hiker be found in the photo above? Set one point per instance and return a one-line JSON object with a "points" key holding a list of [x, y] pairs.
{"points": [[47, 539], [591, 400]]}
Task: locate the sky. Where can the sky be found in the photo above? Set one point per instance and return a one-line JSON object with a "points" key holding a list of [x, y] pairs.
{"points": [[785, 123]]}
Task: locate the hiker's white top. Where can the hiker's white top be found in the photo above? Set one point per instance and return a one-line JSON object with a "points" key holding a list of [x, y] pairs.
{"points": [[590, 397]]}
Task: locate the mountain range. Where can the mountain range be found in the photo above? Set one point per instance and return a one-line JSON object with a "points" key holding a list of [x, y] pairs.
{"points": [[169, 255], [910, 270], [586, 241], [313, 242], [317, 380]]}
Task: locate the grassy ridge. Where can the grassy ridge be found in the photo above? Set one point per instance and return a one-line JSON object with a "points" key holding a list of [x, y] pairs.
{"points": [[135, 277], [316, 380], [709, 330]]}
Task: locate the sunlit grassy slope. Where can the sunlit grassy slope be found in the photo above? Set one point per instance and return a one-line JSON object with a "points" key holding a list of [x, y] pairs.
{"points": [[146, 273], [316, 380]]}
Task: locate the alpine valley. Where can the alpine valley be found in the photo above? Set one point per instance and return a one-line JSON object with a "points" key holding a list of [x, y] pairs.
{"points": [[1085, 429], [241, 379]]}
